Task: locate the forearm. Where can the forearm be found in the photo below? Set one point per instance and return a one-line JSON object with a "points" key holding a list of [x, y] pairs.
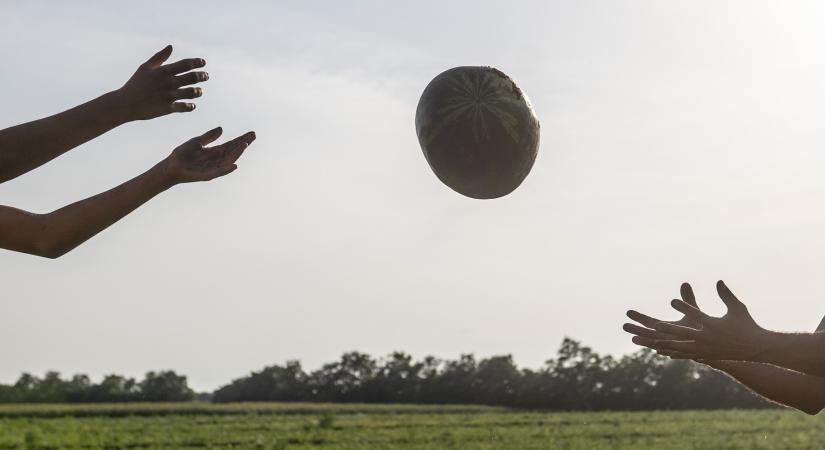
{"points": [[802, 352], [27, 146], [801, 391], [66, 228], [53, 234]]}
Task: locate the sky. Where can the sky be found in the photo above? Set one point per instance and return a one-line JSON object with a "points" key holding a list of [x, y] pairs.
{"points": [[681, 141]]}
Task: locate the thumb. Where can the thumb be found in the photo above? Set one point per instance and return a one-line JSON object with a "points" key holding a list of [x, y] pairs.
{"points": [[158, 58], [728, 298]]}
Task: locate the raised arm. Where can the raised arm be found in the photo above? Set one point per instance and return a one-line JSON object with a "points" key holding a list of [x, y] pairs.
{"points": [[52, 235], [153, 91], [788, 387]]}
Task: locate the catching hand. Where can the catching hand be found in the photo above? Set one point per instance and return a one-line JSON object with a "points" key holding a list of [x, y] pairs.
{"points": [[154, 89], [194, 161]]}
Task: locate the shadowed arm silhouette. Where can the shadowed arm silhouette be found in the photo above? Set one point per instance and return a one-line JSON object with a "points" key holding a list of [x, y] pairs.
{"points": [[783, 385], [52, 235], [153, 91]]}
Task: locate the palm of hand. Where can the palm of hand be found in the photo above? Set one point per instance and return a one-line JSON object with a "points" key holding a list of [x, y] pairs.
{"points": [[193, 161]]}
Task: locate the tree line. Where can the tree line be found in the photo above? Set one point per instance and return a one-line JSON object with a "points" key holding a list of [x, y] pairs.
{"points": [[166, 386], [577, 378]]}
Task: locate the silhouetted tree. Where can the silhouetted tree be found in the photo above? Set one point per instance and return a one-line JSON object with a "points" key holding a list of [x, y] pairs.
{"points": [[165, 386], [577, 378], [274, 383], [114, 388], [345, 380]]}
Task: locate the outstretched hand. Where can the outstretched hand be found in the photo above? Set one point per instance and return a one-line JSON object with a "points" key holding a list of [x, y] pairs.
{"points": [[154, 89], [734, 336], [194, 161], [647, 335]]}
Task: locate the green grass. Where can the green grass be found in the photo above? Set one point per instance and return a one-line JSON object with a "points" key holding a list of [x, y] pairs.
{"points": [[307, 426]]}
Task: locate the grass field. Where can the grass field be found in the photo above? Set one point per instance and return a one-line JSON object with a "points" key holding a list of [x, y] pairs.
{"points": [[303, 426]]}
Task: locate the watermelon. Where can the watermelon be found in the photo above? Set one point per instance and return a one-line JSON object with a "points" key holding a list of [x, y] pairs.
{"points": [[478, 131]]}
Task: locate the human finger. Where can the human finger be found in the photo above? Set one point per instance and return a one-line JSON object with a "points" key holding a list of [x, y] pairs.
{"points": [[180, 107], [678, 331], [232, 150], [158, 58], [186, 93], [678, 346], [210, 136], [642, 318], [690, 311], [190, 78], [687, 295], [644, 342], [642, 331], [727, 296], [184, 65]]}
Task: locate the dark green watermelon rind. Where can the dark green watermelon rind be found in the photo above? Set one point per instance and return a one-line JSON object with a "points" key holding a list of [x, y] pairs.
{"points": [[483, 106]]}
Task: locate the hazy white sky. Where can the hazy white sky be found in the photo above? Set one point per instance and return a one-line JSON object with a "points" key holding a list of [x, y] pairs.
{"points": [[681, 141]]}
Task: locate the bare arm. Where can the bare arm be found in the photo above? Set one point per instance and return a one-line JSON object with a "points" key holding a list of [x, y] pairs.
{"points": [[151, 92], [788, 387], [737, 337], [52, 235], [803, 352]]}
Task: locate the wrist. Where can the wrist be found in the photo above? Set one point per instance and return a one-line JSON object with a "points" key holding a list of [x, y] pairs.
{"points": [[117, 107], [162, 176], [765, 346]]}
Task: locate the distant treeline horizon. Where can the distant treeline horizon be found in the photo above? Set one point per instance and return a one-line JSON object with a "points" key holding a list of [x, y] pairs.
{"points": [[577, 378]]}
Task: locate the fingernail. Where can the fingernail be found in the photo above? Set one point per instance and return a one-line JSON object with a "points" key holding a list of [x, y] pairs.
{"points": [[674, 303], [253, 135], [198, 92], [204, 76], [192, 106], [203, 62]]}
